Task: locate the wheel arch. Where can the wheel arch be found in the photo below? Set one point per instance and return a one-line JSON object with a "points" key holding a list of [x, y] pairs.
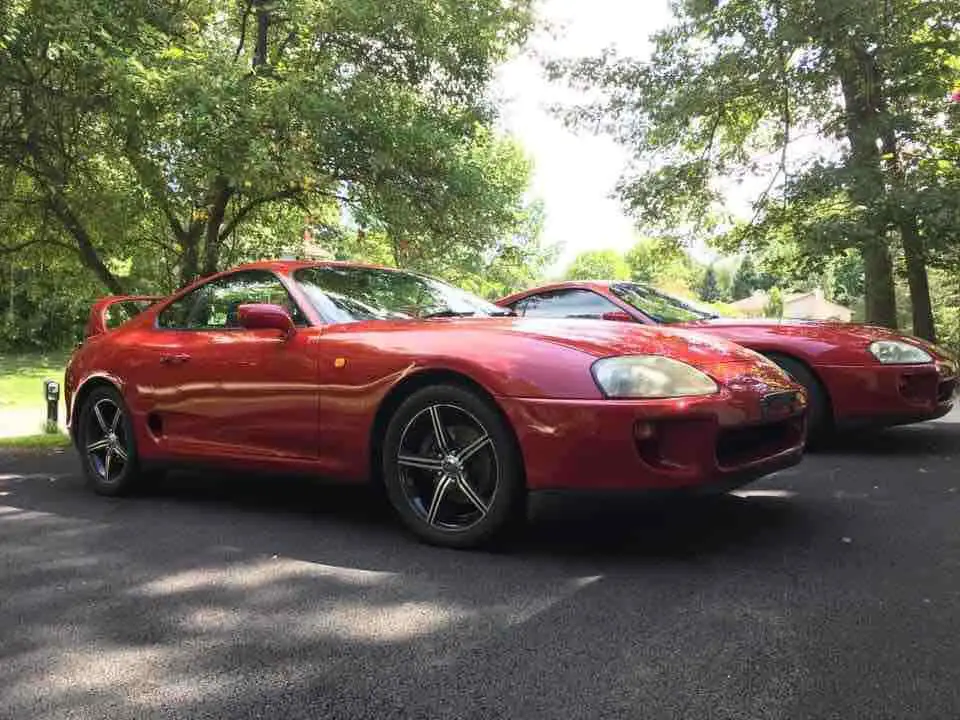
{"points": [[773, 354], [409, 385], [83, 392]]}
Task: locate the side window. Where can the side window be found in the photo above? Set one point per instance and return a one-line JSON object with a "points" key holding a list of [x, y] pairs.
{"points": [[565, 304], [213, 306]]}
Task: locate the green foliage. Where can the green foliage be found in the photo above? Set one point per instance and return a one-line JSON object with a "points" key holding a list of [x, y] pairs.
{"points": [[745, 279], [663, 262], [709, 290], [774, 305], [598, 265], [731, 87], [144, 136]]}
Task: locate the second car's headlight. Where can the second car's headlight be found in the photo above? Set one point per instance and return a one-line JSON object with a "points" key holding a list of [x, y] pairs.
{"points": [[894, 352], [650, 376]]}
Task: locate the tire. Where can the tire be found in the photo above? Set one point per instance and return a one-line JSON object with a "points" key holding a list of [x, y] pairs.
{"points": [[463, 487], [819, 415], [107, 445]]}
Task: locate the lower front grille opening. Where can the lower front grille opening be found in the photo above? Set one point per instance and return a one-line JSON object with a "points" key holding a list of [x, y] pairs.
{"points": [[738, 446]]}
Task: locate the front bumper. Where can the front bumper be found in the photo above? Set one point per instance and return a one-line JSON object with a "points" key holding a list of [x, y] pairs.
{"points": [[722, 440], [882, 395]]}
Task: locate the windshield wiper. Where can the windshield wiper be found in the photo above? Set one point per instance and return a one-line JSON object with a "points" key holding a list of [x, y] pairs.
{"points": [[448, 313]]}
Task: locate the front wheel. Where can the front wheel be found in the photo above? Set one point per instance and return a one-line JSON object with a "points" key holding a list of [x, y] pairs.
{"points": [[451, 468]]}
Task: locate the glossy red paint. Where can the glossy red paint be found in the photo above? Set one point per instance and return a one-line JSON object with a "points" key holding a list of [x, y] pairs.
{"points": [[860, 389], [260, 397]]}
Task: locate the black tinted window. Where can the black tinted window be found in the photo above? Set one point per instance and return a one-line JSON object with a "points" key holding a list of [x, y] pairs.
{"points": [[565, 304], [659, 306], [351, 294], [213, 306]]}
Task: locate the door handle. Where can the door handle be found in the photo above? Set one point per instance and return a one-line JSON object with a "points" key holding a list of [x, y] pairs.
{"points": [[174, 359]]}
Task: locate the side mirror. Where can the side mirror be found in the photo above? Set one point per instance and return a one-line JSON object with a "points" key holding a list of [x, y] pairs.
{"points": [[617, 316], [261, 316]]}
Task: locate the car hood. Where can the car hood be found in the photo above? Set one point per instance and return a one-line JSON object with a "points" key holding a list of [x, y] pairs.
{"points": [[814, 333], [723, 360]]}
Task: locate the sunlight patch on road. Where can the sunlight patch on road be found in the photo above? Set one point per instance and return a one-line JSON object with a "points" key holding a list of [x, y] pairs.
{"points": [[258, 574], [782, 494]]}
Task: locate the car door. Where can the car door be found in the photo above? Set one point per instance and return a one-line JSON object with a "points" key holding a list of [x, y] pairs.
{"points": [[223, 390]]}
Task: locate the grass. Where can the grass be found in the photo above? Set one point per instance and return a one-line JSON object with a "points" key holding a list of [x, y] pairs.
{"points": [[22, 376], [31, 442]]}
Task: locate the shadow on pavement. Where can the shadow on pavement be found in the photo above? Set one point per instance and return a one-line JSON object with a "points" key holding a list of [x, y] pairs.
{"points": [[359, 522], [930, 438]]}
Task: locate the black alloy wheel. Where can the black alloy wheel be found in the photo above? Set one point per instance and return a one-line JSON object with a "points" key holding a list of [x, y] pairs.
{"points": [[451, 468]]}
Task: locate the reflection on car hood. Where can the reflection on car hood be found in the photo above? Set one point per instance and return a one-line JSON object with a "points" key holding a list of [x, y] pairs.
{"points": [[817, 331], [720, 358]]}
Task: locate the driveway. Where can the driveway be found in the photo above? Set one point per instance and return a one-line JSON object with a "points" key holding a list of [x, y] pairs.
{"points": [[830, 591]]}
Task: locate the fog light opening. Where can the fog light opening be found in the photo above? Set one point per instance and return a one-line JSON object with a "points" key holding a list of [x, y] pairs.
{"points": [[643, 430]]}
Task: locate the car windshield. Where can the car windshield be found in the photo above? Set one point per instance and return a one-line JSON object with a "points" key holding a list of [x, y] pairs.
{"points": [[659, 306], [352, 294]]}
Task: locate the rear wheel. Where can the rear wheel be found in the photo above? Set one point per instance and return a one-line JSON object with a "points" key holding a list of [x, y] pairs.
{"points": [[106, 443], [451, 468], [819, 415]]}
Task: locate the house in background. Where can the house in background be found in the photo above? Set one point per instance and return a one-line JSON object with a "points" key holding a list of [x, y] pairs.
{"points": [[803, 306]]}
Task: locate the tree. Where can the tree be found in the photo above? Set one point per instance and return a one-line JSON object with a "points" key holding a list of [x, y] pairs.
{"points": [[187, 122], [709, 290], [662, 262], [732, 86], [774, 305], [745, 279], [598, 265]]}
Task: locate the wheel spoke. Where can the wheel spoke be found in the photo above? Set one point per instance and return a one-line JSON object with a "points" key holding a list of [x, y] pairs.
{"points": [[438, 494], [438, 431], [471, 495], [100, 419], [120, 452], [98, 445], [473, 448], [106, 464], [422, 463], [115, 421]]}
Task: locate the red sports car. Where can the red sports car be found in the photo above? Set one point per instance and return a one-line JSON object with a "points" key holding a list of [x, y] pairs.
{"points": [[853, 374], [361, 374]]}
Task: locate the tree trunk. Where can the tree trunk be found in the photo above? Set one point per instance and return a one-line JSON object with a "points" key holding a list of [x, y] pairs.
{"points": [[190, 254], [913, 252], [263, 25], [881, 301], [861, 87], [219, 197]]}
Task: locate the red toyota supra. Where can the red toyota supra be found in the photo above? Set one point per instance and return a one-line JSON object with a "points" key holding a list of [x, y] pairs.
{"points": [[458, 408], [853, 374]]}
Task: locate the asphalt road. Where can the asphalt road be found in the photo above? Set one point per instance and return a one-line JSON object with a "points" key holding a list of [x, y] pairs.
{"points": [[828, 591]]}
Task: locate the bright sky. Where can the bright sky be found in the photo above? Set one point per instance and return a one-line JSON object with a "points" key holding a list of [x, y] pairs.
{"points": [[575, 173]]}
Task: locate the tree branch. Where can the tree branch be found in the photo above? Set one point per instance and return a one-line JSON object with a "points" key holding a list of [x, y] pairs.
{"points": [[243, 29], [242, 213], [8, 249]]}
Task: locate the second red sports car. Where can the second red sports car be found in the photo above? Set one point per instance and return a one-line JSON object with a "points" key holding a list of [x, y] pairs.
{"points": [[362, 374], [853, 374]]}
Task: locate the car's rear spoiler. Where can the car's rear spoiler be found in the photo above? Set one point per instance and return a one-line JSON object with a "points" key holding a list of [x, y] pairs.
{"points": [[99, 320]]}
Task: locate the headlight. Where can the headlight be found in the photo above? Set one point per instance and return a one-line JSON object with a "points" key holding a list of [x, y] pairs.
{"points": [[650, 376], [894, 352]]}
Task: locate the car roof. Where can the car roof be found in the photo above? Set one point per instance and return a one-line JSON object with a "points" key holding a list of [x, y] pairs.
{"points": [[287, 266], [558, 285]]}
